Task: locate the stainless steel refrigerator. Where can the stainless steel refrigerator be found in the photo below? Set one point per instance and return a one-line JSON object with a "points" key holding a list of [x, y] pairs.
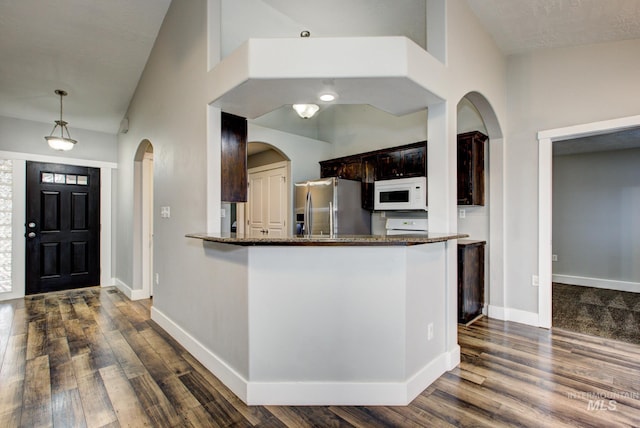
{"points": [[330, 206]]}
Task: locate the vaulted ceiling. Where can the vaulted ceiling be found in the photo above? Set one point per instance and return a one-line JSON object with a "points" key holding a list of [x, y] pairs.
{"points": [[97, 50]]}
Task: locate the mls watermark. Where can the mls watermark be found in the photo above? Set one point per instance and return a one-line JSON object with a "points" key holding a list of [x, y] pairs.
{"points": [[606, 400]]}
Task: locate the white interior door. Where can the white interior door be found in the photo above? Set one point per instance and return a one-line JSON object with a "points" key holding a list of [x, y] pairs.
{"points": [[255, 204], [267, 207]]}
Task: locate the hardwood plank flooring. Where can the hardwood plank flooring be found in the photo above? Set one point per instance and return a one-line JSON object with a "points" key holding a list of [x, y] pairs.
{"points": [[92, 358]]}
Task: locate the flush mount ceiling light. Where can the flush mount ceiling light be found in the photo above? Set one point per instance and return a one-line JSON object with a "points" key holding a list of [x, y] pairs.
{"points": [[327, 97], [306, 111], [60, 143]]}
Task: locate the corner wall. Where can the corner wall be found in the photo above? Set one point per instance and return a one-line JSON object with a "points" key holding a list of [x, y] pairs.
{"points": [[551, 89]]}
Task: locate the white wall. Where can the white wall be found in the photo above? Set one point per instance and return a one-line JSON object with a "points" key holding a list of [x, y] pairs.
{"points": [[27, 136], [596, 227], [244, 19], [304, 153], [362, 128], [551, 89], [169, 109]]}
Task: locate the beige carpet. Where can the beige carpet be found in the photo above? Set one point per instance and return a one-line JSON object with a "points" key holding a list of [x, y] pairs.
{"points": [[596, 311]]}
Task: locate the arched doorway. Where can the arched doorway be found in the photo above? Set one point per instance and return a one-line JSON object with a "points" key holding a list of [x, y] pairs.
{"points": [[494, 287], [268, 208], [143, 219]]}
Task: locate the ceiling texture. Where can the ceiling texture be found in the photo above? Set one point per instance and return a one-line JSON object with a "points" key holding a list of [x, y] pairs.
{"points": [[97, 50]]}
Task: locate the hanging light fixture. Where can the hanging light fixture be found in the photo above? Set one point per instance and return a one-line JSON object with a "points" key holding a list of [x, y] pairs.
{"points": [[305, 111], [60, 143]]}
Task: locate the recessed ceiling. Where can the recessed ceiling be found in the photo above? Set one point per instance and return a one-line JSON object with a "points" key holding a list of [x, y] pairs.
{"points": [[94, 50], [524, 25]]}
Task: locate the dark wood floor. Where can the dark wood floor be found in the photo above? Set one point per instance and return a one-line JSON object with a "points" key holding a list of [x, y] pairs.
{"points": [[93, 358]]}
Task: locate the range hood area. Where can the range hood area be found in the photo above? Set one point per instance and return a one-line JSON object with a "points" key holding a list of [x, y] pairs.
{"points": [[393, 74]]}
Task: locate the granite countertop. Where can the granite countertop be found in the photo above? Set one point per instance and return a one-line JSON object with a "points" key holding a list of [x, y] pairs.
{"points": [[327, 240]]}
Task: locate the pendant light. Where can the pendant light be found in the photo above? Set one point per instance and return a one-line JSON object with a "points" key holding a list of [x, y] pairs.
{"points": [[306, 111], [61, 143]]}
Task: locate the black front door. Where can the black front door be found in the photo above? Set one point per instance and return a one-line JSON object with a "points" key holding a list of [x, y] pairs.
{"points": [[62, 228]]}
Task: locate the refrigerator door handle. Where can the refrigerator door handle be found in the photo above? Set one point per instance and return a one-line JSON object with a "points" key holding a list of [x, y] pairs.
{"points": [[307, 214], [331, 214]]}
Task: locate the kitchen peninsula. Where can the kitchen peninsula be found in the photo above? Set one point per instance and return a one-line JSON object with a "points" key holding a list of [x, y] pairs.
{"points": [[346, 320]]}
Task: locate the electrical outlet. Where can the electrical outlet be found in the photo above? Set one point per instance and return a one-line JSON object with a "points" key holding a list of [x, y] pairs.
{"points": [[463, 213], [223, 213], [535, 281], [165, 212], [430, 331], [554, 258]]}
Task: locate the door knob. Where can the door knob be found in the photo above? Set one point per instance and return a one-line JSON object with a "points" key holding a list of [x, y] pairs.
{"points": [[32, 225], [31, 235]]}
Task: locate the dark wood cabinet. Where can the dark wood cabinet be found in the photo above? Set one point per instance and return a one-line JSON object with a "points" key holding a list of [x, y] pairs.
{"points": [[233, 158], [388, 165], [471, 168], [384, 164], [349, 168], [470, 279], [408, 161], [368, 177]]}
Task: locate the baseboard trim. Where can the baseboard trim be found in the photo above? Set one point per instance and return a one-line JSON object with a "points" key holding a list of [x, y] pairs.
{"points": [[515, 315], [232, 379], [609, 284], [348, 393], [129, 292], [310, 393]]}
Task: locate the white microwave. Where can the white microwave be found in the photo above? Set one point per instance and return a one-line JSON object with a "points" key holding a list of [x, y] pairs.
{"points": [[401, 194]]}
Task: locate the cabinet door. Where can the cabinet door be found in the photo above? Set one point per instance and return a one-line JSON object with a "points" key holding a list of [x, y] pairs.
{"points": [[414, 162], [351, 169], [233, 158], [389, 165], [329, 168], [368, 177], [470, 280], [471, 168], [347, 168]]}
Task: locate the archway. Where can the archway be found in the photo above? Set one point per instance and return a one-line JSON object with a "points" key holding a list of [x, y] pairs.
{"points": [[266, 163], [143, 219], [495, 243]]}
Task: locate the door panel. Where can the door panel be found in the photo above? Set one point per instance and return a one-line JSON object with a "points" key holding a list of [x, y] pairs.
{"points": [[267, 206], [79, 211], [63, 227], [256, 201], [276, 207]]}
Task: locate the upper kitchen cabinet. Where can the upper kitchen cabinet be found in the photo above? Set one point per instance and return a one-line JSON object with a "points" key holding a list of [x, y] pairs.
{"points": [[471, 168], [408, 161], [349, 168], [233, 158]]}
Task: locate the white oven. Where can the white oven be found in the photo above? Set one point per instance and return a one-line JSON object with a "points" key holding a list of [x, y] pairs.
{"points": [[401, 194]]}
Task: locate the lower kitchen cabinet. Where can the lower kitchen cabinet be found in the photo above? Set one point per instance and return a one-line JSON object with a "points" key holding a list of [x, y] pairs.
{"points": [[470, 279]]}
